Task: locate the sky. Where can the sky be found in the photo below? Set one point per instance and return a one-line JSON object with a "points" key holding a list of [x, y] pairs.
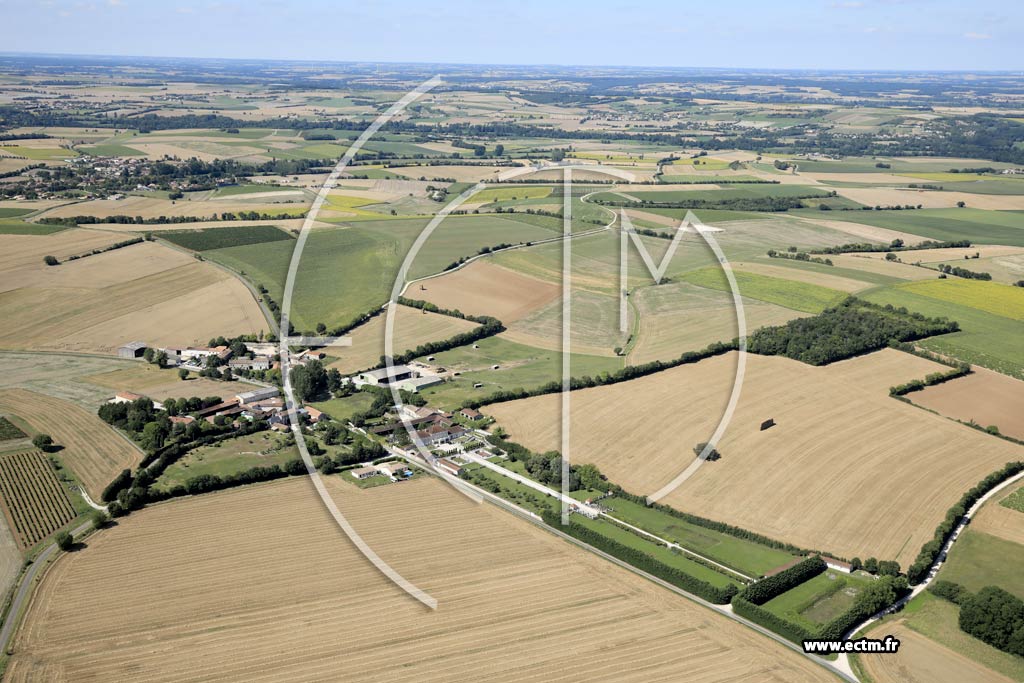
{"points": [[975, 35]]}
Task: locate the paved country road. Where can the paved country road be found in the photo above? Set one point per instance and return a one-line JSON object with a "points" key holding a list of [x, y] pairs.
{"points": [[25, 588]]}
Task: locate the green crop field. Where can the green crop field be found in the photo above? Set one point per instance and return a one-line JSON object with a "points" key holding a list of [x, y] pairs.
{"points": [[345, 272], [13, 211], [9, 431], [746, 556], [658, 552], [800, 296], [981, 227], [249, 188], [16, 227], [991, 297], [979, 559], [989, 340], [38, 153], [222, 238], [112, 150], [816, 602], [497, 194]]}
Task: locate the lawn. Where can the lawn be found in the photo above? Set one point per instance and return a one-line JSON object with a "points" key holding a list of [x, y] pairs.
{"points": [[746, 556], [978, 560], [977, 225], [223, 238], [816, 602], [229, 457], [342, 409], [992, 341], [799, 296], [520, 366], [658, 552], [1014, 501]]}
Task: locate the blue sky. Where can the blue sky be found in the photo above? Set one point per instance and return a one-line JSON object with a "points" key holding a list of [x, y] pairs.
{"points": [[824, 34]]}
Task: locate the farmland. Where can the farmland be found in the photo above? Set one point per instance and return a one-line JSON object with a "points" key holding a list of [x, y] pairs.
{"points": [[980, 560], [800, 296], [218, 238], [819, 600], [144, 291], [772, 481], [934, 649], [984, 397], [34, 501], [71, 632], [412, 328], [984, 338], [91, 448], [345, 272]]}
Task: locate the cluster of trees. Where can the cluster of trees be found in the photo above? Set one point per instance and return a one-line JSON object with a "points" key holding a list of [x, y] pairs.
{"points": [[54, 261], [204, 483], [312, 381], [992, 615], [625, 374], [547, 467], [799, 256], [930, 550], [947, 269], [849, 329], [643, 561]]}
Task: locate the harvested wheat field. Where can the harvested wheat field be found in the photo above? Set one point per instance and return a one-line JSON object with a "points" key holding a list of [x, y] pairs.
{"points": [[680, 316], [143, 291], [160, 384], [19, 251], [987, 397], [846, 468], [151, 207], [92, 449], [949, 254], [412, 328], [484, 288], [922, 660], [813, 277], [872, 196], [296, 602]]}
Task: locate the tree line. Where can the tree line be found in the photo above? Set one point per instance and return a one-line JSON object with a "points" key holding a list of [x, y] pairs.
{"points": [[992, 615]]}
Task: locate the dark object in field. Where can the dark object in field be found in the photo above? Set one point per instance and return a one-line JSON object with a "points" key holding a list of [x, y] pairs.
{"points": [[770, 422]]}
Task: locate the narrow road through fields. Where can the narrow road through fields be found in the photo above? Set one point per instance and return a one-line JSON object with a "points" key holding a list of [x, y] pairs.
{"points": [[940, 559], [25, 587]]}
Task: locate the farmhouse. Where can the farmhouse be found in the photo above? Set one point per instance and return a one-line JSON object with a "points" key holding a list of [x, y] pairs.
{"points": [[133, 349], [395, 469], [449, 467], [364, 472], [223, 408], [313, 414], [385, 376], [471, 414], [249, 363], [257, 395]]}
